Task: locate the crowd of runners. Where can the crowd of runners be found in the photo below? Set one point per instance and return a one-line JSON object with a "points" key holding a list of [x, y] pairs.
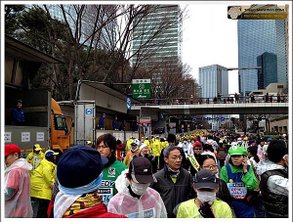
{"points": [[202, 174]]}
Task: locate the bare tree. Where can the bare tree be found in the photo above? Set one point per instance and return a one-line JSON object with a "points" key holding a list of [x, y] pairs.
{"points": [[173, 81], [150, 36], [96, 42]]}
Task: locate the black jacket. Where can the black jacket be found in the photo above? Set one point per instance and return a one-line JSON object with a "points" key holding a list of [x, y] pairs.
{"points": [[275, 205], [173, 193], [185, 161]]}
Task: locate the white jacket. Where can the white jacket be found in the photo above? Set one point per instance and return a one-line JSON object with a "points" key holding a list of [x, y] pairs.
{"points": [[17, 177], [276, 184], [149, 205]]}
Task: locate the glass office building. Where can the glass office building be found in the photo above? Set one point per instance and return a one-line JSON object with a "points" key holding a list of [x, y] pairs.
{"points": [[213, 80], [268, 73], [256, 37], [88, 20], [165, 44]]}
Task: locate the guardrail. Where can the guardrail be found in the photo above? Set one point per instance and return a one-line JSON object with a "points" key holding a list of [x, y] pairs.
{"points": [[215, 100]]}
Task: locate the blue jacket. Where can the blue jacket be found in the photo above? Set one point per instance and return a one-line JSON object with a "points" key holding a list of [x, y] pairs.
{"points": [[17, 116], [101, 122]]}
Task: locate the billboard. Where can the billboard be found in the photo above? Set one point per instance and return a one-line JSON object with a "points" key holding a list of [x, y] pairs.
{"points": [[257, 11]]}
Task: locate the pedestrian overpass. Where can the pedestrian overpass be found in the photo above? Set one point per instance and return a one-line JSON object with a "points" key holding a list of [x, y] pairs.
{"points": [[211, 109]]}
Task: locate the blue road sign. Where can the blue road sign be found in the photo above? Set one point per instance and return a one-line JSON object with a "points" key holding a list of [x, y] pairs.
{"points": [[128, 103], [88, 111]]}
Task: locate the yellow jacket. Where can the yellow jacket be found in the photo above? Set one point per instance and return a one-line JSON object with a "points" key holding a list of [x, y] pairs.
{"points": [[188, 209], [129, 156], [128, 145], [147, 142], [42, 180], [30, 159], [156, 147]]}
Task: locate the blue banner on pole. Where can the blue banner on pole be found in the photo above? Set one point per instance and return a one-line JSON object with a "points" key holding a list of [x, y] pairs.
{"points": [[128, 102]]}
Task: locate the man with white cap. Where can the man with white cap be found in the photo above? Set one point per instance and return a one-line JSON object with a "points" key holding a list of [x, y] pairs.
{"points": [[80, 173], [135, 198], [134, 151], [145, 152]]}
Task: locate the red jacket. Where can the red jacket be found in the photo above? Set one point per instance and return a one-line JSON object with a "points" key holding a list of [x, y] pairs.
{"points": [[99, 210]]}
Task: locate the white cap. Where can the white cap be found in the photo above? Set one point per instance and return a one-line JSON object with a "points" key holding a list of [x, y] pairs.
{"points": [[142, 146], [210, 154], [234, 144]]}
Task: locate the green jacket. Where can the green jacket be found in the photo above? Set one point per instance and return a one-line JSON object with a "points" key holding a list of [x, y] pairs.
{"points": [[248, 179], [107, 189]]}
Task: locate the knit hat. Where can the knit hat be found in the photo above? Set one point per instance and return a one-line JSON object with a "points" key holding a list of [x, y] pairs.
{"points": [[11, 148], [197, 144], [79, 166], [140, 169]]}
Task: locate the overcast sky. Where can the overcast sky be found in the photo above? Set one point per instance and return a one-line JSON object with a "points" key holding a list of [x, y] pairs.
{"points": [[209, 37]]}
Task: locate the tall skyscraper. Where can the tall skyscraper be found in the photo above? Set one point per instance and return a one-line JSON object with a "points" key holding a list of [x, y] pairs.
{"points": [[159, 35], [268, 74], [256, 37], [86, 22], [213, 80]]}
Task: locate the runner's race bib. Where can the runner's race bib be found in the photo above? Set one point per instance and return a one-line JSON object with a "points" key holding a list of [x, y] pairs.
{"points": [[237, 190], [106, 194], [147, 213]]}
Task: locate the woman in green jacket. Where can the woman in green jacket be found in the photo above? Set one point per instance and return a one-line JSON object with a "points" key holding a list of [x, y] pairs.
{"points": [[240, 180]]}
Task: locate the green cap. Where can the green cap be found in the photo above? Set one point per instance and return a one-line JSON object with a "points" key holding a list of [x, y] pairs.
{"points": [[237, 150]]}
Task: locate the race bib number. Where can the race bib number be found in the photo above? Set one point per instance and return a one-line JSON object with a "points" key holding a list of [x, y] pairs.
{"points": [[106, 194], [148, 213], [237, 190]]}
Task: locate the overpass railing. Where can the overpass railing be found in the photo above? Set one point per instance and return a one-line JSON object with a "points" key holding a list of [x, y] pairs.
{"points": [[215, 100]]}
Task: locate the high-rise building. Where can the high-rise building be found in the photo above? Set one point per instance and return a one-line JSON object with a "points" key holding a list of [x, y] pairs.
{"points": [[158, 35], [256, 37], [213, 80], [268, 74], [86, 22]]}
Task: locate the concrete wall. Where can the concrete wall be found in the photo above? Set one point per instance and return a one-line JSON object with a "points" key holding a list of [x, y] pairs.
{"points": [[280, 126], [103, 99]]}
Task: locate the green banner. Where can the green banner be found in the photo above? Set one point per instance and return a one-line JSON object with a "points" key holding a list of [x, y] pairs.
{"points": [[141, 88]]}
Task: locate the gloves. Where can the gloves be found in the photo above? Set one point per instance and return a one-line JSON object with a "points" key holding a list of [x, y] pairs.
{"points": [[206, 211]]}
